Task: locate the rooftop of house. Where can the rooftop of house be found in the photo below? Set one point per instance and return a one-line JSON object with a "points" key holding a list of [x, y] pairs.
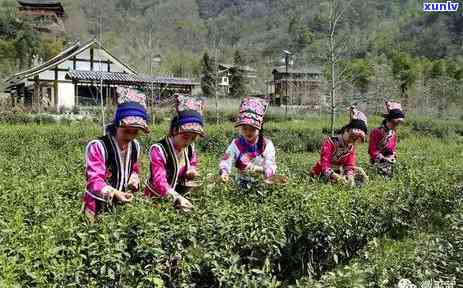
{"points": [[244, 68], [301, 70], [67, 53], [126, 78], [39, 3]]}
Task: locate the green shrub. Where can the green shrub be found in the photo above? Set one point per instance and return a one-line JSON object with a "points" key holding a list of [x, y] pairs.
{"points": [[15, 117], [437, 128]]}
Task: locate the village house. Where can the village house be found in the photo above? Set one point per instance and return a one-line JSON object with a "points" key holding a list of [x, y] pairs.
{"points": [[224, 73], [296, 86], [83, 75]]}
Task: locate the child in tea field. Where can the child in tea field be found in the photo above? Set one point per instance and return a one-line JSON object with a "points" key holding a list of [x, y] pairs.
{"points": [[383, 140], [251, 152], [112, 164], [337, 162], [173, 160]]}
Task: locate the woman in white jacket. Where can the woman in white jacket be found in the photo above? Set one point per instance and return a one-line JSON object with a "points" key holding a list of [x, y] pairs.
{"points": [[251, 153]]}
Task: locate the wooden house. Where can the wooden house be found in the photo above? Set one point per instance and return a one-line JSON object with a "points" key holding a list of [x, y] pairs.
{"points": [[47, 16], [76, 76], [299, 87], [224, 76]]}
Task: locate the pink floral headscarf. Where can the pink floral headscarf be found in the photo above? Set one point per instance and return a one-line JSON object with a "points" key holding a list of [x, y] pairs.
{"points": [[395, 107], [126, 94], [252, 111], [185, 103], [356, 114]]}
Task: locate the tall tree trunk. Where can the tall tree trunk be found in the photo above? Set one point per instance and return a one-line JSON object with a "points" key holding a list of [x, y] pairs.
{"points": [[332, 95], [333, 83]]}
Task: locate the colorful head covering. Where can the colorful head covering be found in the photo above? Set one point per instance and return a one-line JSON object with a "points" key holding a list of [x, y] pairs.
{"points": [[394, 111], [189, 116], [358, 122], [252, 111], [131, 109], [126, 94]]}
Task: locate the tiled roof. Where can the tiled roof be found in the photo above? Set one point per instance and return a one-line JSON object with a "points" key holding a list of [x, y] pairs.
{"points": [[171, 80], [119, 77], [67, 53]]}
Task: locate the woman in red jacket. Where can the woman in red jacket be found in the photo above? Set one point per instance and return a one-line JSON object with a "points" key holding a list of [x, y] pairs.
{"points": [[337, 162], [383, 140]]}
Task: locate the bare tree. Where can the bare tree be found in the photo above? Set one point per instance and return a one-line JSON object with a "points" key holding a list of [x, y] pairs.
{"points": [[336, 50], [383, 87]]}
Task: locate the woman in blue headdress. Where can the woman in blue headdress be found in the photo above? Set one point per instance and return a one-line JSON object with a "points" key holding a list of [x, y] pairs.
{"points": [[112, 164]]}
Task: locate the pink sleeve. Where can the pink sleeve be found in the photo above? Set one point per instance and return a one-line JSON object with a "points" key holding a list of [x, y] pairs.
{"points": [[394, 143], [194, 161], [326, 156], [158, 172], [136, 167], [134, 179], [95, 169], [375, 137], [350, 163]]}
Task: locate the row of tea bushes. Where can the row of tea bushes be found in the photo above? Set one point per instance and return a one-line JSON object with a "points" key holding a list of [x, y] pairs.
{"points": [[268, 237]]}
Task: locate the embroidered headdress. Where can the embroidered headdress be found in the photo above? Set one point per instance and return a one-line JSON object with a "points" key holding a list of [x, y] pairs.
{"points": [[252, 111], [358, 122], [394, 111], [189, 116], [131, 109]]}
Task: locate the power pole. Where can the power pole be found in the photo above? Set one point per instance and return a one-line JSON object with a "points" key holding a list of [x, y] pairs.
{"points": [[151, 73], [100, 23], [215, 83], [287, 55]]}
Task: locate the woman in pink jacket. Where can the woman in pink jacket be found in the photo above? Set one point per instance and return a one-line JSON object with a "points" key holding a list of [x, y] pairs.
{"points": [[173, 160], [383, 140], [112, 164]]}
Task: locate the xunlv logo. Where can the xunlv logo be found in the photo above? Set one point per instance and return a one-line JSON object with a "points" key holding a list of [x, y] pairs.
{"points": [[449, 6]]}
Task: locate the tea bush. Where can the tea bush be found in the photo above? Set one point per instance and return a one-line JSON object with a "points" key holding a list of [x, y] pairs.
{"points": [[15, 117], [421, 256], [305, 234], [438, 128]]}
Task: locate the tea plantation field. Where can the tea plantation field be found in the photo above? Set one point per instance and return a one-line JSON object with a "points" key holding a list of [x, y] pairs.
{"points": [[305, 234]]}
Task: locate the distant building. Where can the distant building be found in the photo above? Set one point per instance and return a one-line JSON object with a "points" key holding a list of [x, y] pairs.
{"points": [[73, 78], [224, 73], [165, 87], [47, 16], [297, 86]]}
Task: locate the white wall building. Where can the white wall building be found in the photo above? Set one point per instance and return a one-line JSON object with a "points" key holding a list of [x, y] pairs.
{"points": [[71, 78]]}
